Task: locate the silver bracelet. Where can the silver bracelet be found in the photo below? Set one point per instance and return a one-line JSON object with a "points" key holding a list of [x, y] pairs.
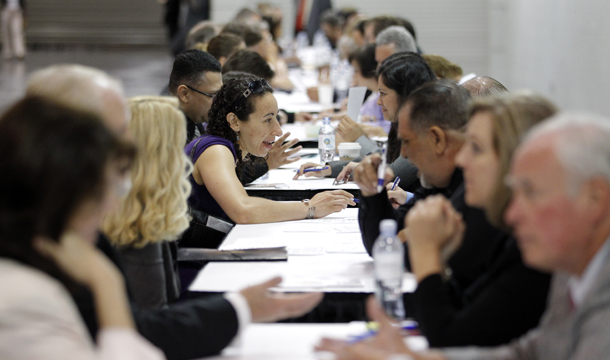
{"points": [[311, 211]]}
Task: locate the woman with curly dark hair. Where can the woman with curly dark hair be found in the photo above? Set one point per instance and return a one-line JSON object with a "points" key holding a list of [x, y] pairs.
{"points": [[243, 120]]}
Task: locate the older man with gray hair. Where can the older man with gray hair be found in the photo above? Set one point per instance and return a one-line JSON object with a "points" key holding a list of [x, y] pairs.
{"points": [[392, 40], [560, 213]]}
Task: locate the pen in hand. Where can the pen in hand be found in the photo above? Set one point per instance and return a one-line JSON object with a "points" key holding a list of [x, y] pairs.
{"points": [[395, 184], [312, 169]]}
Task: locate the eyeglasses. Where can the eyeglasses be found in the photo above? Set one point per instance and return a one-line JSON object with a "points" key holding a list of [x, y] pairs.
{"points": [[201, 92], [255, 87]]}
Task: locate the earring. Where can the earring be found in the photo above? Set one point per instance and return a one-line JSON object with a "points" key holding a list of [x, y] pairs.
{"points": [[237, 133]]}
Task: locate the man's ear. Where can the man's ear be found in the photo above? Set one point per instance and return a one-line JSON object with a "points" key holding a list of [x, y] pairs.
{"points": [[597, 196], [183, 93], [233, 121], [438, 138]]}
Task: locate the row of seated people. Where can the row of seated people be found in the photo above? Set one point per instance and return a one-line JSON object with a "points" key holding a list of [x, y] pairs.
{"points": [[474, 288]]}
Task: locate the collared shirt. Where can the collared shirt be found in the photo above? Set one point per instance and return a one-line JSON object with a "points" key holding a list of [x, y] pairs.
{"points": [[579, 287], [193, 130]]}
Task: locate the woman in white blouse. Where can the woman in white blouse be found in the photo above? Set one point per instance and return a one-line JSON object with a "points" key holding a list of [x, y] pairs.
{"points": [[61, 170]]}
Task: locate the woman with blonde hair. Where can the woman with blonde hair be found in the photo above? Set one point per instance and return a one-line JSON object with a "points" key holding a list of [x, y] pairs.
{"points": [[48, 231], [154, 213]]}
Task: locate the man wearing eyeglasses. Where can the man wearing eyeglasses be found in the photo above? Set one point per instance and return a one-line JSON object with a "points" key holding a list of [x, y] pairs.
{"points": [[195, 79]]}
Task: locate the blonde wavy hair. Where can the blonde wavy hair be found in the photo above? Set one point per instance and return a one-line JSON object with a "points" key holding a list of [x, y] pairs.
{"points": [[155, 209]]}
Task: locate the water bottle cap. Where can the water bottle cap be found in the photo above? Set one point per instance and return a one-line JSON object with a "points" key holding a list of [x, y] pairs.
{"points": [[326, 119], [387, 225]]}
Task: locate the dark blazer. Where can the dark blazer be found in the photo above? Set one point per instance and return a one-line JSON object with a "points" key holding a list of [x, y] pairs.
{"points": [[469, 261], [190, 130], [503, 303], [186, 330]]}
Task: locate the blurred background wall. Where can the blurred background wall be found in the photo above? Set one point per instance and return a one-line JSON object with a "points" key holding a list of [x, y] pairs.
{"points": [[557, 47]]}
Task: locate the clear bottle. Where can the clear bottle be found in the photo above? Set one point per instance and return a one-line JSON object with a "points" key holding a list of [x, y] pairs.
{"points": [[326, 142], [388, 255]]}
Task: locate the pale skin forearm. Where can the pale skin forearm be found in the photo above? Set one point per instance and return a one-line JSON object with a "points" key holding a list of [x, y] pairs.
{"points": [[216, 169], [255, 210]]}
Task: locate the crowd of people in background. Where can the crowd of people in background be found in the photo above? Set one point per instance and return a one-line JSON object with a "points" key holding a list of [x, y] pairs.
{"points": [[503, 206]]}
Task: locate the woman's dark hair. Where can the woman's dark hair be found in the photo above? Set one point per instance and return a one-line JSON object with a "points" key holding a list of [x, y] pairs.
{"points": [[249, 61], [225, 103], [223, 45], [365, 57], [250, 34], [403, 72], [52, 159]]}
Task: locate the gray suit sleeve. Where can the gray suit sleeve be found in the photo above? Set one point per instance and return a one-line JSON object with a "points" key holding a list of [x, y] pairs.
{"points": [[368, 146], [523, 348]]}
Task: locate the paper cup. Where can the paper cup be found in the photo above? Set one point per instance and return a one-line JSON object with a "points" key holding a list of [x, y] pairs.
{"points": [[348, 151]]}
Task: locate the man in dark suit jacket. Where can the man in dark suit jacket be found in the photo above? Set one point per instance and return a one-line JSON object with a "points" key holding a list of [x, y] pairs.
{"points": [[430, 126], [190, 329]]}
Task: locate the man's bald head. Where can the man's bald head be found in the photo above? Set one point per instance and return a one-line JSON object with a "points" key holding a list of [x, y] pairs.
{"points": [[82, 88], [484, 86]]}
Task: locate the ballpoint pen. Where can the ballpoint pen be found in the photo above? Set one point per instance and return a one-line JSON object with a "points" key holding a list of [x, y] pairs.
{"points": [[407, 328], [395, 184], [381, 168], [312, 169]]}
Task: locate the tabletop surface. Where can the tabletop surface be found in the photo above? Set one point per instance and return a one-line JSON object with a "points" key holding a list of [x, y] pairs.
{"points": [[323, 255]]}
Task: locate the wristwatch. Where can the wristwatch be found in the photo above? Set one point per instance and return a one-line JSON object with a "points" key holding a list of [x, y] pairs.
{"points": [[311, 210]]}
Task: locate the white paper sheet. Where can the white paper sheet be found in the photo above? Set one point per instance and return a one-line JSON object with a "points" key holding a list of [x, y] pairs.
{"points": [[355, 100]]}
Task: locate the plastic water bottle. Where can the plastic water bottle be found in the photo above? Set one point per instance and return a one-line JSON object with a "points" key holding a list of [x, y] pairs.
{"points": [[326, 142], [388, 254], [342, 77]]}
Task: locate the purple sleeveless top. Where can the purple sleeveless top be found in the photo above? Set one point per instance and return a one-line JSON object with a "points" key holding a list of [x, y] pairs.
{"points": [[200, 198]]}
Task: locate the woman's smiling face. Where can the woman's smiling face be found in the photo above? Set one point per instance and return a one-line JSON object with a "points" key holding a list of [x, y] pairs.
{"points": [[388, 100], [256, 135]]}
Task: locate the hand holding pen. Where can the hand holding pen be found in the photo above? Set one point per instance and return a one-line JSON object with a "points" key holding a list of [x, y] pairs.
{"points": [[312, 169], [388, 340], [396, 195], [365, 175]]}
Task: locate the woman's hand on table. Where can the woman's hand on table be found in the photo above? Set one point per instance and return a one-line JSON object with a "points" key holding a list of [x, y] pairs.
{"points": [[308, 165], [280, 153], [329, 202], [346, 172]]}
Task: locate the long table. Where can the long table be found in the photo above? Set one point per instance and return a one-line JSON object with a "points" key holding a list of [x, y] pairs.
{"points": [[323, 255], [295, 341], [280, 186]]}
